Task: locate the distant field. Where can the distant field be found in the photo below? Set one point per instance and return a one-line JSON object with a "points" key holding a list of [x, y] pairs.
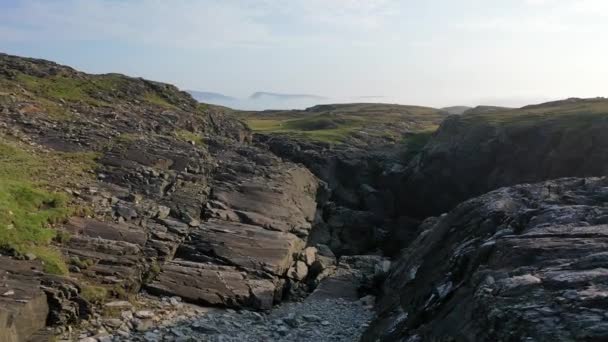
{"points": [[356, 123]]}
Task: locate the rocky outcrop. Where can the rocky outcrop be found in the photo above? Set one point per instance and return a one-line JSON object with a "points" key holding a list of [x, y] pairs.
{"points": [[354, 277], [258, 218], [350, 172], [475, 153], [179, 201], [23, 305], [526, 262], [358, 215]]}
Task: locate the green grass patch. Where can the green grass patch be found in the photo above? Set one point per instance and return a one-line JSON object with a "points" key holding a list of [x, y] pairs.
{"points": [[158, 100], [81, 263], [93, 90], [342, 123], [29, 207], [319, 127], [188, 136], [44, 169], [94, 294], [25, 216], [265, 125], [565, 113], [61, 87]]}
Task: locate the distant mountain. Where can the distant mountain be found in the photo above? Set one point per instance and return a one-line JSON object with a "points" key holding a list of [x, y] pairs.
{"points": [[210, 97], [457, 110], [260, 100], [278, 96]]}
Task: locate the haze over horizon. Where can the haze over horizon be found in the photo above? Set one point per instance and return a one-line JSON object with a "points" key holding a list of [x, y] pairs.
{"points": [[437, 53]]}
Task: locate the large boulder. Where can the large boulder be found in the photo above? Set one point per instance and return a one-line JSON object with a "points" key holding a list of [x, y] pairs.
{"points": [[522, 263], [258, 218]]}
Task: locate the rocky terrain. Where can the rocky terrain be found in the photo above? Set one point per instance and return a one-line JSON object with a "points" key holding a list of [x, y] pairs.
{"points": [[175, 201], [131, 212], [311, 320]]}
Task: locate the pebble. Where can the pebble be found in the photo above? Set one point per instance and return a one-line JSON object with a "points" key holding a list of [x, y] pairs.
{"points": [[119, 304], [144, 314], [87, 339]]}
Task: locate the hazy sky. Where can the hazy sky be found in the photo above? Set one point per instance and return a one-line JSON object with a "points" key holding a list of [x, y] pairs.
{"points": [[428, 52]]}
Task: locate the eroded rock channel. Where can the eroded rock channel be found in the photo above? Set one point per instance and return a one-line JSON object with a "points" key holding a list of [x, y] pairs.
{"points": [[180, 207]]}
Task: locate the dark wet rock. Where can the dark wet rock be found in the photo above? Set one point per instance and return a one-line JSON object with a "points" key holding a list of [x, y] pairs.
{"points": [[66, 305], [23, 305], [245, 246], [111, 253], [353, 232], [352, 173], [352, 278], [214, 285], [520, 262]]}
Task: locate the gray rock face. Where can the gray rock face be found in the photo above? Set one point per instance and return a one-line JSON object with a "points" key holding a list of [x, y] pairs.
{"points": [[259, 218], [521, 262], [362, 185], [352, 278], [23, 305], [207, 284]]}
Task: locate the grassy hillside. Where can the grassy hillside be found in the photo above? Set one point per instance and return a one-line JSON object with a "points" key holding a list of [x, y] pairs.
{"points": [[577, 112], [355, 123], [53, 88], [30, 202], [58, 101]]}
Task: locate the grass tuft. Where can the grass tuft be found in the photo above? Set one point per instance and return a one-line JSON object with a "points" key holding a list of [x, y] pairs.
{"points": [[188, 136], [94, 294], [28, 206]]}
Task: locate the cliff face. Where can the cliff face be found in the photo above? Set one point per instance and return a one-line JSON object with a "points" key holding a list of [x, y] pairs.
{"points": [[521, 262], [475, 153], [525, 262]]}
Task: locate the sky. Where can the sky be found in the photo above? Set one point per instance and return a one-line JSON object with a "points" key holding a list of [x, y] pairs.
{"points": [[432, 52]]}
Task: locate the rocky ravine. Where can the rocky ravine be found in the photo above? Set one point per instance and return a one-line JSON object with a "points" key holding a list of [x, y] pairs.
{"points": [[181, 203]]}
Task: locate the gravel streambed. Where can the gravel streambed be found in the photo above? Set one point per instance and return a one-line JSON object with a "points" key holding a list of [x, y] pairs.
{"points": [[311, 320]]}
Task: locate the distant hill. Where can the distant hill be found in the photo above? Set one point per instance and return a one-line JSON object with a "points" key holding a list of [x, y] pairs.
{"points": [[485, 110], [259, 100], [277, 96], [362, 124], [457, 110], [210, 97]]}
